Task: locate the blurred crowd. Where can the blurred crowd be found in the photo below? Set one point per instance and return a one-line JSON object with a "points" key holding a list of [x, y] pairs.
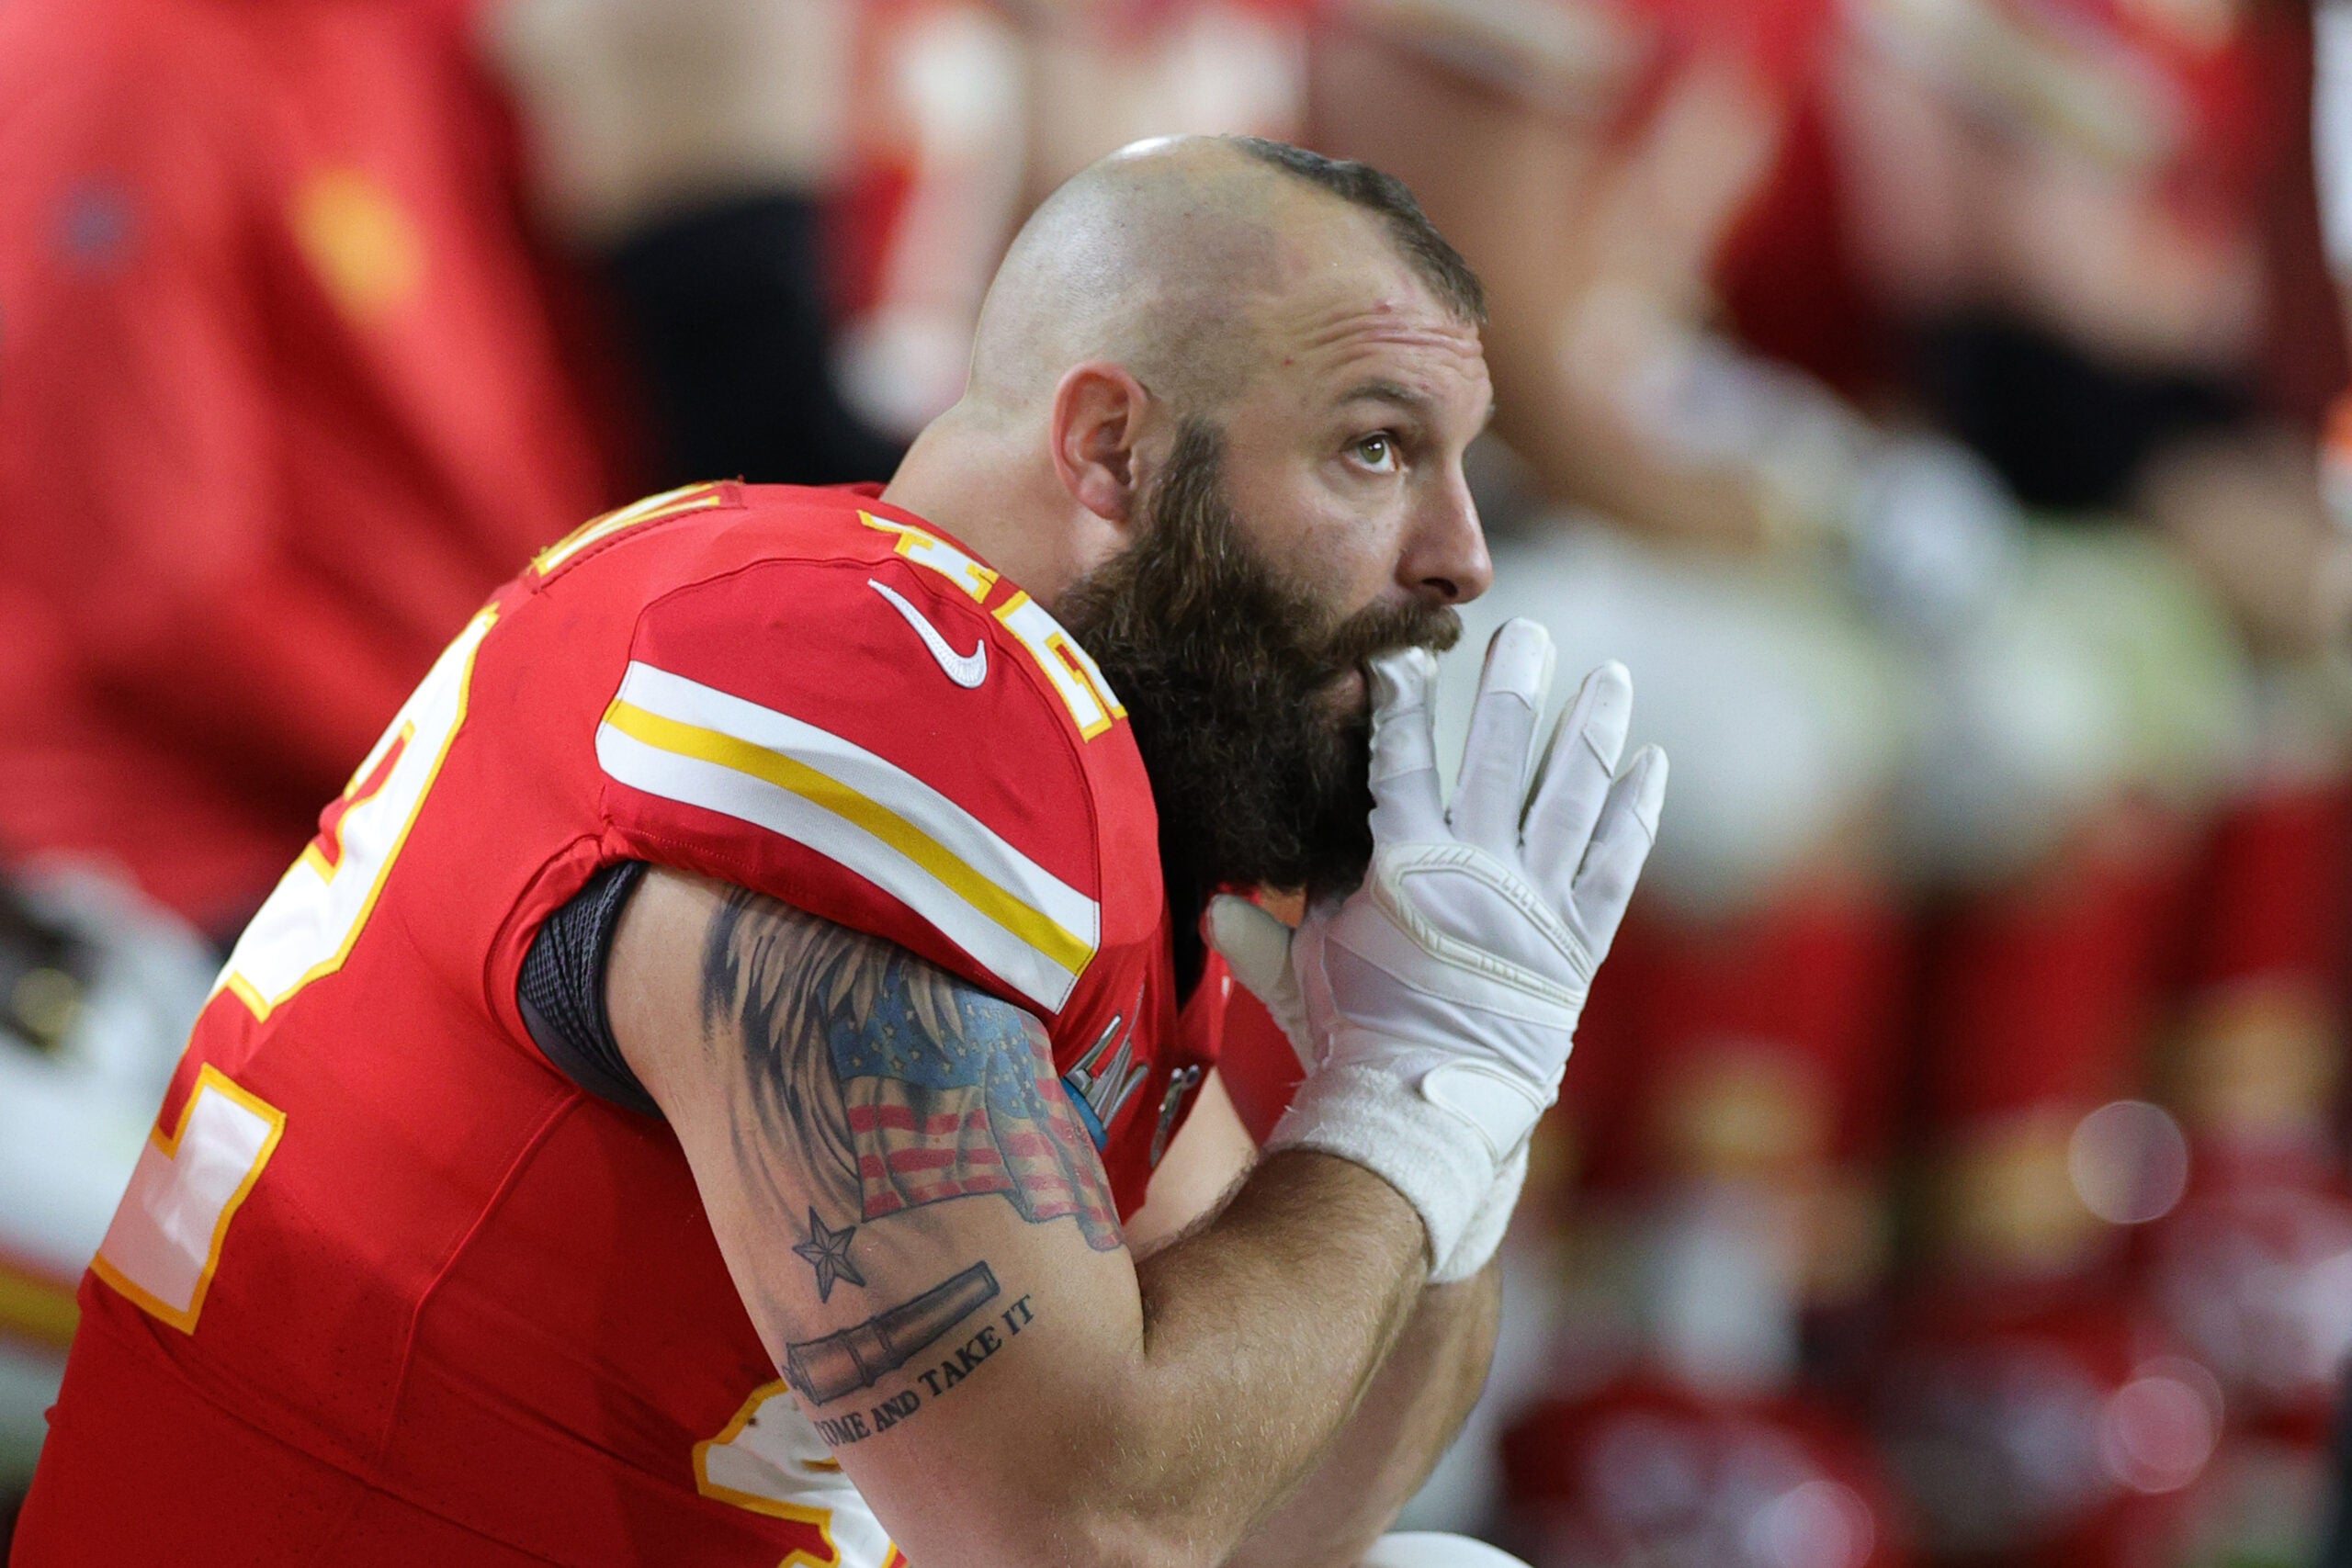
{"points": [[1929, 400]]}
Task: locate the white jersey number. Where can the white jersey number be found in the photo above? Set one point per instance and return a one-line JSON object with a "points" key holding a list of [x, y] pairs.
{"points": [[307, 927], [165, 1238]]}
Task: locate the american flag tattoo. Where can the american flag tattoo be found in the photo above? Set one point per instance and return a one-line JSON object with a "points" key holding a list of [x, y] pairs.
{"points": [[968, 1113]]}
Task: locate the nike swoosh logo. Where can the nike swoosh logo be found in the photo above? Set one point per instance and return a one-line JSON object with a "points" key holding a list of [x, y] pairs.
{"points": [[966, 669]]}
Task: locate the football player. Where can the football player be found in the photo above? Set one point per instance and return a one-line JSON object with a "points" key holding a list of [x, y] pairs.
{"points": [[685, 1103]]}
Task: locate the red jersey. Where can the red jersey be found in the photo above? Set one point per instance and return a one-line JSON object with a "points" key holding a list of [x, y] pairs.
{"points": [[378, 1236], [281, 399]]}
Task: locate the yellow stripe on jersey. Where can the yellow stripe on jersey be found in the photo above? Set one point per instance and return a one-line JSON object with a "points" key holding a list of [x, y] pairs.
{"points": [[1064, 947], [685, 742], [669, 503]]}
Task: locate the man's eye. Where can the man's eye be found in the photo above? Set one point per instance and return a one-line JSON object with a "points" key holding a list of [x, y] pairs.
{"points": [[1377, 451]]}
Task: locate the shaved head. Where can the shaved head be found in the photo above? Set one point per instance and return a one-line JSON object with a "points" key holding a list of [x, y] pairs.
{"points": [[1176, 258], [1220, 392]]}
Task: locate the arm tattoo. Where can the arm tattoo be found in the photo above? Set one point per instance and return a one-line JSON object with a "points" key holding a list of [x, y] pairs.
{"points": [[827, 1251], [859, 1357], [888, 1083]]}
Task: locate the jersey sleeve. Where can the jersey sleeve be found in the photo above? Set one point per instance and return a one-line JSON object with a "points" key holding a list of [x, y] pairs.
{"points": [[863, 740]]}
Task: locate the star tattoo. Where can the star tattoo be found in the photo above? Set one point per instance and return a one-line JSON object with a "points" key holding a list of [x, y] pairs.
{"points": [[828, 1252]]}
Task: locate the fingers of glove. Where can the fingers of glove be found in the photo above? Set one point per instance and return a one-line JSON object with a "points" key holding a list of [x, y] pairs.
{"points": [[1256, 945], [1318, 1006], [1408, 804], [1257, 949], [1620, 843], [1578, 767], [1512, 687]]}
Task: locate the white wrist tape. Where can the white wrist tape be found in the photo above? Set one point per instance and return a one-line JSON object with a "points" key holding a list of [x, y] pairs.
{"points": [[1367, 1115], [1484, 1235]]}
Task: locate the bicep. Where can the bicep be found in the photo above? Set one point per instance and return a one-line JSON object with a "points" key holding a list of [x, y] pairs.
{"points": [[917, 1224]]}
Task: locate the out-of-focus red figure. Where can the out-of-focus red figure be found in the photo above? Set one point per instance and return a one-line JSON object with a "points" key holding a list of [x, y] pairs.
{"points": [[280, 399], [1645, 1473]]}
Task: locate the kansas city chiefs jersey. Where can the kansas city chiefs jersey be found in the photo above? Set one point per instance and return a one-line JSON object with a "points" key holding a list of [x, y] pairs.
{"points": [[376, 1230]]}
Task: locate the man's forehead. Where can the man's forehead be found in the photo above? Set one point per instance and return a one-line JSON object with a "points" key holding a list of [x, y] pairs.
{"points": [[1346, 296], [1364, 340], [1416, 326]]}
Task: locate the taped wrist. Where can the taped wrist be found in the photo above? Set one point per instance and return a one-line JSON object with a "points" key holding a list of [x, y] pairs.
{"points": [[1436, 1160], [1485, 1232]]}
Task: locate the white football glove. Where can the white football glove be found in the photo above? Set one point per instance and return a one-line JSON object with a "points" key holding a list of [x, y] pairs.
{"points": [[1434, 1006]]}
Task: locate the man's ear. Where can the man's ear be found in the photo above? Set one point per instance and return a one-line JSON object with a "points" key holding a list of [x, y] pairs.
{"points": [[1099, 413]]}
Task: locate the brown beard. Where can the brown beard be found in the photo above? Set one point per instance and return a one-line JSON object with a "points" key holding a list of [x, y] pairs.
{"points": [[1227, 673]]}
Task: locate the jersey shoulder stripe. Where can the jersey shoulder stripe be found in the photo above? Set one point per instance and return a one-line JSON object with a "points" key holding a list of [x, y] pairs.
{"points": [[608, 524], [685, 742]]}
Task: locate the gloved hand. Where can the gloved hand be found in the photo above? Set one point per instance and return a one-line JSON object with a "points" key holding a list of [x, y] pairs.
{"points": [[1434, 1006]]}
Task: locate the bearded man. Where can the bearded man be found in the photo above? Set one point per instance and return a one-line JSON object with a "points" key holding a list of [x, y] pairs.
{"points": [[750, 951]]}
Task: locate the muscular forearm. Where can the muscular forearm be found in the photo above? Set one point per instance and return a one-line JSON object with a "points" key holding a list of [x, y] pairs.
{"points": [[1261, 1332], [1408, 1416], [1142, 1413]]}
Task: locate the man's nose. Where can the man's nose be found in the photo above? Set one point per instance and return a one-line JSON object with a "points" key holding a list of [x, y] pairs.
{"points": [[1445, 551]]}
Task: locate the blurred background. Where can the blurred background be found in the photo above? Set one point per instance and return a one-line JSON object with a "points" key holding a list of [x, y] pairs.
{"points": [[1929, 400]]}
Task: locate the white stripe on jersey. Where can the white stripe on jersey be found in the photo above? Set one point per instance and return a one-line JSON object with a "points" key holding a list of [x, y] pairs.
{"points": [[689, 742]]}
